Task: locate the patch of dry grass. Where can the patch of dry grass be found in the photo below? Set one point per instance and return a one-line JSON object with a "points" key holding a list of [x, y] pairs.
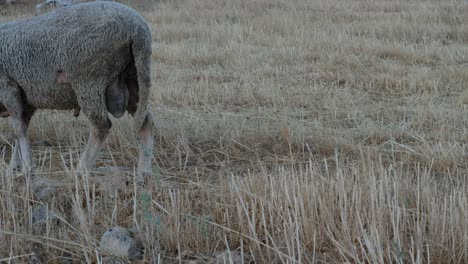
{"points": [[287, 132]]}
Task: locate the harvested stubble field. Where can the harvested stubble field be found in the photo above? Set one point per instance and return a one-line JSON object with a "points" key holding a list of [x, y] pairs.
{"points": [[318, 131]]}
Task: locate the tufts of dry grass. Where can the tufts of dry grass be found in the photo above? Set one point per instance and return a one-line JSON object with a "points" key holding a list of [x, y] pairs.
{"points": [[287, 132]]}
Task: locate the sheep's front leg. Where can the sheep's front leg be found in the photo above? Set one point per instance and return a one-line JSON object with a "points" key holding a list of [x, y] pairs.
{"points": [[145, 155], [92, 149], [24, 148], [11, 101], [15, 162]]}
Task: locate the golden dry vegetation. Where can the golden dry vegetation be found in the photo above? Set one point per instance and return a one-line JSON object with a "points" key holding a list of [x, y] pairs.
{"points": [[304, 131]]}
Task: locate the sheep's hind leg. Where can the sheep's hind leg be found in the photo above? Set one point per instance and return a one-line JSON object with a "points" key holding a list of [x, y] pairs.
{"points": [[145, 134], [15, 162], [91, 103], [96, 139], [145, 154]]}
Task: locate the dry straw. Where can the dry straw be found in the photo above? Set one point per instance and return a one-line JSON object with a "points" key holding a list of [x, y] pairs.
{"points": [[287, 132]]}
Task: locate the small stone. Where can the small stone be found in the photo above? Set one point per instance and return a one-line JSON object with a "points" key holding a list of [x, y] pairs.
{"points": [[112, 260], [117, 241], [230, 257]]}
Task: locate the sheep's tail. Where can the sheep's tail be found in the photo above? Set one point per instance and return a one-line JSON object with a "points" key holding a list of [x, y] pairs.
{"points": [[141, 48]]}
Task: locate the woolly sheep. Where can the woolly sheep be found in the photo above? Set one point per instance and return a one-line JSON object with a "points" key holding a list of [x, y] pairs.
{"points": [[94, 57]]}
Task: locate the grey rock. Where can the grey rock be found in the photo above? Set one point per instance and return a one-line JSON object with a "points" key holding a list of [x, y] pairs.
{"points": [[118, 242]]}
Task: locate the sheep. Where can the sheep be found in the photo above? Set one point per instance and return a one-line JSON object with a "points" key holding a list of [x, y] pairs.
{"points": [[93, 57]]}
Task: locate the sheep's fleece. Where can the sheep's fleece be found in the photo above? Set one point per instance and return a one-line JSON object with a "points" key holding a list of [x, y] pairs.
{"points": [[94, 57]]}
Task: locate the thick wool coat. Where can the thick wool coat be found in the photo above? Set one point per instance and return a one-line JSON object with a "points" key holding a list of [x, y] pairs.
{"points": [[67, 59]]}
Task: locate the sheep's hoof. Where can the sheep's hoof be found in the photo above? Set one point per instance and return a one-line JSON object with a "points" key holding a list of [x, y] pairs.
{"points": [[41, 215], [15, 165], [142, 177], [80, 172], [13, 169], [42, 189], [44, 193]]}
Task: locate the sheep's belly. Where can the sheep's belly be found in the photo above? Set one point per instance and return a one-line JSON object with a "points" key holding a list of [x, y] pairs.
{"points": [[59, 96]]}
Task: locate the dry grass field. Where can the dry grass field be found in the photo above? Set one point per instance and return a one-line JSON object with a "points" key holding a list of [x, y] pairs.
{"points": [[304, 131]]}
